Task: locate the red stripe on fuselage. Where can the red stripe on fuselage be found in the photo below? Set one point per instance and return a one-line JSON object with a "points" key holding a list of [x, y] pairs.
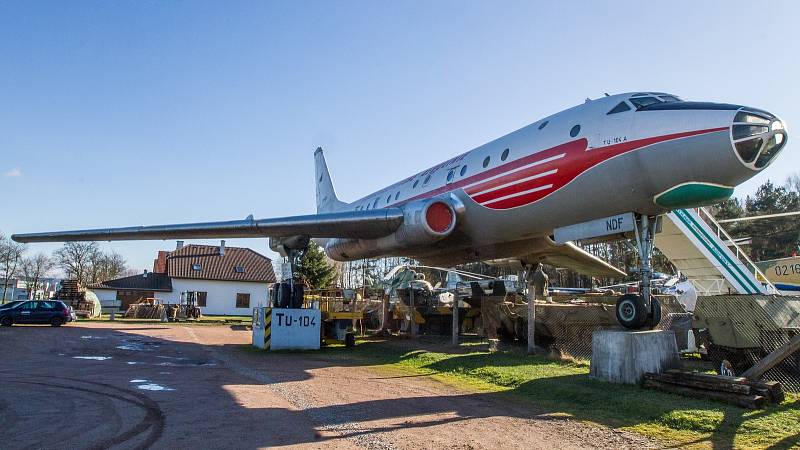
{"points": [[577, 159], [575, 162]]}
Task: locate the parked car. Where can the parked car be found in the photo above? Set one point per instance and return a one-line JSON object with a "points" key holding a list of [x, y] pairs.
{"points": [[54, 312]]}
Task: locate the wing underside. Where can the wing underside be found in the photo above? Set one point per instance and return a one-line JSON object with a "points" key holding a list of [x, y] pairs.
{"points": [[567, 256], [350, 224]]}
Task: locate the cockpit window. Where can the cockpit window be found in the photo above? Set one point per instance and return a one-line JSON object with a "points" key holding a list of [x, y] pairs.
{"points": [[641, 102], [621, 107], [669, 98], [745, 117]]}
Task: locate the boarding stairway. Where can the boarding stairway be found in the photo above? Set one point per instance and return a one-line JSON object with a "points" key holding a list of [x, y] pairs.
{"points": [[703, 251]]}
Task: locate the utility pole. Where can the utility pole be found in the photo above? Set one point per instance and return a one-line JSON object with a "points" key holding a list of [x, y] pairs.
{"points": [[455, 317]]}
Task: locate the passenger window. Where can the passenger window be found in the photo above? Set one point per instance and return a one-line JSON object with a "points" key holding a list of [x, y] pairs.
{"points": [[575, 130], [428, 178], [543, 124], [621, 107], [396, 195], [375, 205], [450, 175], [486, 161], [669, 98], [463, 170], [389, 198], [504, 155], [416, 182]]}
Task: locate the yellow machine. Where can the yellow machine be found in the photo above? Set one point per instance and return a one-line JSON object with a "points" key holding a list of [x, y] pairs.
{"points": [[341, 309]]}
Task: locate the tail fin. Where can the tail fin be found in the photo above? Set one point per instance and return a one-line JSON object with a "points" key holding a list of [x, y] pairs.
{"points": [[326, 195]]}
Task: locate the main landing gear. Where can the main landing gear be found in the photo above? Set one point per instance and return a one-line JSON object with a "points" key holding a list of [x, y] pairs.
{"points": [[642, 310], [288, 293]]}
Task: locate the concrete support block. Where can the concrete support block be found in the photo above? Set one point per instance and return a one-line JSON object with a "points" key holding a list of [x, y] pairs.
{"points": [[625, 356]]}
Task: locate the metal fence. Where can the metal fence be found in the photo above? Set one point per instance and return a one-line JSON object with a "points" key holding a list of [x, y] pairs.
{"points": [[737, 330]]}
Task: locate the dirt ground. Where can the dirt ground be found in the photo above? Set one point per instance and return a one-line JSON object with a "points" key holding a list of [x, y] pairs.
{"points": [[106, 385]]}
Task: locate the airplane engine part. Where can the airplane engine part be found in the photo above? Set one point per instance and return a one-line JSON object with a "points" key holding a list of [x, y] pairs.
{"points": [[424, 222]]}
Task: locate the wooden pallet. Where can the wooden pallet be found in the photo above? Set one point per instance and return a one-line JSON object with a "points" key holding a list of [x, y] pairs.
{"points": [[735, 390]]}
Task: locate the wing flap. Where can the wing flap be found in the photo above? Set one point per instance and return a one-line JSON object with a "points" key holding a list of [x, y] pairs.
{"points": [[350, 224], [571, 256]]}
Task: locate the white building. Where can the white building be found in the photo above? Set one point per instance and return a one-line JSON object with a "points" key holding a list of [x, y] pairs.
{"points": [[226, 281]]}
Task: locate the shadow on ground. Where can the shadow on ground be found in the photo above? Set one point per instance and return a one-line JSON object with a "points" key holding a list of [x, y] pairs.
{"points": [[204, 388]]}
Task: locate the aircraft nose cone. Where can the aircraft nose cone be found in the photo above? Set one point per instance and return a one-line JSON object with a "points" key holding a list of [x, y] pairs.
{"points": [[758, 136]]}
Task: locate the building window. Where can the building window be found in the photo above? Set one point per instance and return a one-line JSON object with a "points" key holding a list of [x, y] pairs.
{"points": [[242, 300], [238, 269], [201, 298], [197, 267]]}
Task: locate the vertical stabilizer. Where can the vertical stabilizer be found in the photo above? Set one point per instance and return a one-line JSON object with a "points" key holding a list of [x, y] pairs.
{"points": [[326, 196]]}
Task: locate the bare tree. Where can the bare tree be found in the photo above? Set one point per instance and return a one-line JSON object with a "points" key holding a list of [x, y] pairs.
{"points": [[106, 267], [33, 269], [10, 254], [76, 259], [793, 182]]}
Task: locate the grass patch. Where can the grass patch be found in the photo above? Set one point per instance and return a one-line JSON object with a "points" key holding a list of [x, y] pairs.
{"points": [[564, 388]]}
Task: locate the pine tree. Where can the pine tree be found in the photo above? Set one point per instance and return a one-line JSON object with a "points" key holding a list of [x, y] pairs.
{"points": [[315, 269]]}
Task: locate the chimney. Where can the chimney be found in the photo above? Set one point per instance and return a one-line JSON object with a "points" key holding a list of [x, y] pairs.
{"points": [[222, 248], [160, 264], [179, 245], [144, 275]]}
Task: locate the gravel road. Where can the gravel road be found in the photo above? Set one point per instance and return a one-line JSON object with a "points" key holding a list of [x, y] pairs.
{"points": [[106, 385]]}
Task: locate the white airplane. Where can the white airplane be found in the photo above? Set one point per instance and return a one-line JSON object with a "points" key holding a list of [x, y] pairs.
{"points": [[625, 159]]}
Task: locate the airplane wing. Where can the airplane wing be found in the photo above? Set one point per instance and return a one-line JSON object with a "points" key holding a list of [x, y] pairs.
{"points": [[350, 224], [567, 256], [571, 256]]}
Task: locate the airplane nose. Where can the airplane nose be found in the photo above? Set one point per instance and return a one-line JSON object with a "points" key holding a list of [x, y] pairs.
{"points": [[758, 137]]}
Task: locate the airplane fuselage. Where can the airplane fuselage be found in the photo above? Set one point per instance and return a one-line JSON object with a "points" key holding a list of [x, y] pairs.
{"points": [[593, 160]]}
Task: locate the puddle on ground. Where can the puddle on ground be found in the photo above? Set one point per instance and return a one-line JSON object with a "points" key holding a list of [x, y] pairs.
{"points": [[138, 345], [187, 364], [93, 358], [153, 387]]}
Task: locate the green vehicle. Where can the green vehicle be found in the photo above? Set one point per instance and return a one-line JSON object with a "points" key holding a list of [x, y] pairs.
{"points": [[742, 329]]}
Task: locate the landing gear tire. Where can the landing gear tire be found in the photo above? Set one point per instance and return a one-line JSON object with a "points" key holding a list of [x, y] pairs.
{"points": [[654, 319], [350, 340], [631, 312]]}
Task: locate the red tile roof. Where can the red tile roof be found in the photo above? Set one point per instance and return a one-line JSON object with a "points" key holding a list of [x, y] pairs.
{"points": [[253, 266]]}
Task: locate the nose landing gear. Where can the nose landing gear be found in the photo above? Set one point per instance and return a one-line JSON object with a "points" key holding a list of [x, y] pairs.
{"points": [[636, 311]]}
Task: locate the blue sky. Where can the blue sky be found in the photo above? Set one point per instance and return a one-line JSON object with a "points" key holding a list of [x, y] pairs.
{"points": [[146, 112]]}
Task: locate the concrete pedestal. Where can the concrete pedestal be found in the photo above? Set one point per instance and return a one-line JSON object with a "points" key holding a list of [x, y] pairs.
{"points": [[625, 356]]}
